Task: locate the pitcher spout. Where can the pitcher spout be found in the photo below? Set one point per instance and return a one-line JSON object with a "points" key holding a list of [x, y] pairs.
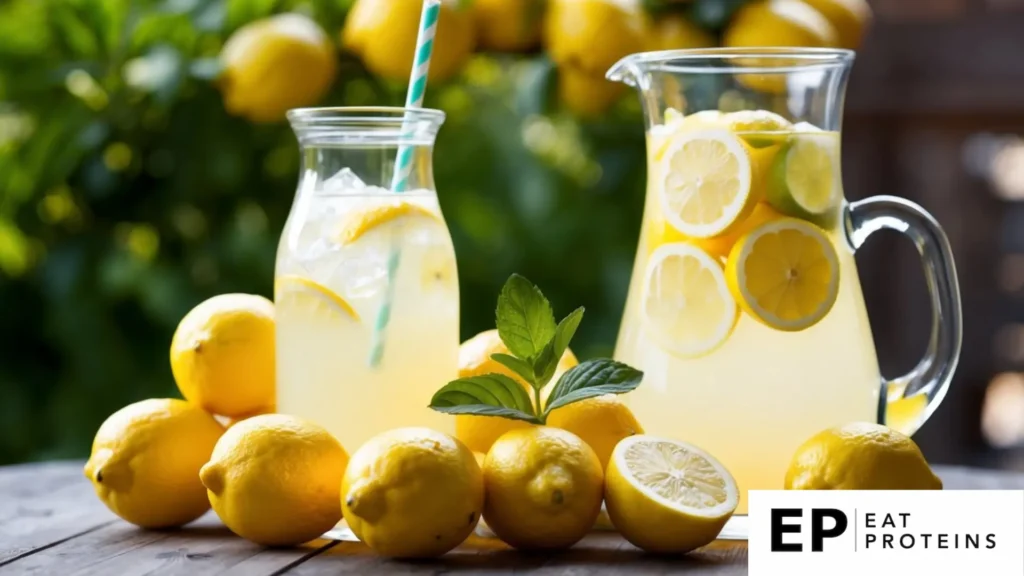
{"points": [[626, 70]]}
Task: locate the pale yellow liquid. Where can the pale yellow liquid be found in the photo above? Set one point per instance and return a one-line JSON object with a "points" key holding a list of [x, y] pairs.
{"points": [[755, 399], [323, 368]]}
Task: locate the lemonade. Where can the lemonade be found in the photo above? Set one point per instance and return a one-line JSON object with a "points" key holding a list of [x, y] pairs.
{"points": [[353, 252], [745, 311]]}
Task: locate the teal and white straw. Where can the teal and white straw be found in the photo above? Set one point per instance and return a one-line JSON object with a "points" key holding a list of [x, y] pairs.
{"points": [[404, 163]]}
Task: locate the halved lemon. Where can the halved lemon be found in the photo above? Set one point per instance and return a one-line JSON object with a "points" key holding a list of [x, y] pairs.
{"points": [[297, 292], [667, 496], [706, 182], [804, 179], [784, 273], [687, 307], [359, 222]]}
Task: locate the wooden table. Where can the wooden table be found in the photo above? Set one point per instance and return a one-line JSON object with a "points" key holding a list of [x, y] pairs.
{"points": [[52, 523]]}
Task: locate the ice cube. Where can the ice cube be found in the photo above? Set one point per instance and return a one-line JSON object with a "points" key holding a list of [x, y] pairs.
{"points": [[342, 181]]}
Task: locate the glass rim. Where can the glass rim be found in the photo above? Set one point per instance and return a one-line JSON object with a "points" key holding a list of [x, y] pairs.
{"points": [[699, 60], [363, 115]]}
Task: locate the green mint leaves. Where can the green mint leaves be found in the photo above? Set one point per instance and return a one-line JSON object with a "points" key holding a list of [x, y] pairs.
{"points": [[526, 325]]}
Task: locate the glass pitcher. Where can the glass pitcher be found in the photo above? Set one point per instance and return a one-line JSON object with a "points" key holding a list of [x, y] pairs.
{"points": [[366, 288], [744, 309]]}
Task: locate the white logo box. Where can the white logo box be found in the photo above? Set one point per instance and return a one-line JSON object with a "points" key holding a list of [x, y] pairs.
{"points": [[926, 533]]}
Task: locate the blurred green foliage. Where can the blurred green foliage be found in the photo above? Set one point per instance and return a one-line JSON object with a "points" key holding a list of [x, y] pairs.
{"points": [[128, 195]]}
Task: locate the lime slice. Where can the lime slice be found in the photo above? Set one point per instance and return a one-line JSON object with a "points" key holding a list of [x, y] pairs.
{"points": [[688, 310], [804, 179], [784, 274]]}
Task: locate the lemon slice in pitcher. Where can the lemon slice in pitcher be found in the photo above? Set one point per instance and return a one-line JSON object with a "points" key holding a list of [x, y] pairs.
{"points": [[299, 293], [785, 274], [667, 496], [360, 222], [707, 183], [687, 307]]}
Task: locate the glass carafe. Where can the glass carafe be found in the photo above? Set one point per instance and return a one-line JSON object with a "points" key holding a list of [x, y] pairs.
{"points": [[366, 291], [744, 309]]}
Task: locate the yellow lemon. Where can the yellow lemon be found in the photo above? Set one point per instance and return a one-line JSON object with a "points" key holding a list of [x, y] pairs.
{"points": [[412, 493], [804, 180], [383, 34], [145, 462], [229, 422], [850, 18], [785, 274], [222, 355], [508, 25], [480, 432], [601, 422], [592, 35], [674, 32], [860, 456], [687, 307], [717, 246], [667, 496], [708, 184], [272, 65], [586, 94], [543, 488], [275, 480], [318, 301], [358, 223]]}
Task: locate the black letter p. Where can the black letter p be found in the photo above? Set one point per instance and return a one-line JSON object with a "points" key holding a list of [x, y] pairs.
{"points": [[818, 532]]}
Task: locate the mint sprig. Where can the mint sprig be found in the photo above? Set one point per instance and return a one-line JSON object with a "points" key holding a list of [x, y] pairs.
{"points": [[526, 325]]}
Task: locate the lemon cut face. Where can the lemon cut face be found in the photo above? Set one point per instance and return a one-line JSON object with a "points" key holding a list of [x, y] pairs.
{"points": [[688, 309]]}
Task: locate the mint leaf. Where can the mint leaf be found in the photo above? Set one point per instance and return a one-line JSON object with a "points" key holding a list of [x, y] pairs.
{"points": [[521, 367], [547, 361], [593, 378], [488, 395], [525, 321]]}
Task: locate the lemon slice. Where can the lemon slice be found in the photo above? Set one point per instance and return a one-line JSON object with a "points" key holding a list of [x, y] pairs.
{"points": [[297, 292], [804, 179], [785, 274], [358, 223], [667, 496], [706, 187], [687, 307]]}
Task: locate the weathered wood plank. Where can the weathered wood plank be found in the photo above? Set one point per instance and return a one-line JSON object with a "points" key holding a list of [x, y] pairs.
{"points": [[598, 553], [201, 548], [43, 504]]}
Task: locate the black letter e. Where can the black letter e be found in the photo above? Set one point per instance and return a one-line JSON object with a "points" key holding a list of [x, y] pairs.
{"points": [[779, 528]]}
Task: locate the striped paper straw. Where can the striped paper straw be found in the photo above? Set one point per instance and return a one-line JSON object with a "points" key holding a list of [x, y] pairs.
{"points": [[403, 162]]}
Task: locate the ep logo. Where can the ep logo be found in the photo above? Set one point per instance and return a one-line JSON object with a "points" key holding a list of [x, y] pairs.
{"points": [[821, 524]]}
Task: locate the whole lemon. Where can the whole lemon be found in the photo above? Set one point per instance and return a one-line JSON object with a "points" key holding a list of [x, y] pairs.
{"points": [[601, 422], [480, 432], [584, 94], [544, 488], [274, 479], [508, 25], [592, 35], [779, 23], [860, 456], [236, 419], [412, 493], [674, 32], [145, 462], [222, 355], [275, 64], [850, 18], [383, 34]]}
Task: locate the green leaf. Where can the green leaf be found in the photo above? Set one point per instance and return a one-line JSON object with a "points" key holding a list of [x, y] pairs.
{"points": [[521, 367], [525, 321], [487, 395], [547, 361], [593, 378]]}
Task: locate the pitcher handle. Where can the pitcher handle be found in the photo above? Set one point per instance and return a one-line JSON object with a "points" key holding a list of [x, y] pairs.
{"points": [[906, 402]]}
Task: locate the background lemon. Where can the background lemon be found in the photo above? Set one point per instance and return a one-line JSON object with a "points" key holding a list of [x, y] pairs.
{"points": [[383, 34], [601, 422], [222, 355], [586, 94], [860, 456], [543, 488], [275, 479], [667, 496], [674, 32], [592, 35], [480, 432], [272, 65], [412, 493], [850, 18], [508, 25], [146, 458]]}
